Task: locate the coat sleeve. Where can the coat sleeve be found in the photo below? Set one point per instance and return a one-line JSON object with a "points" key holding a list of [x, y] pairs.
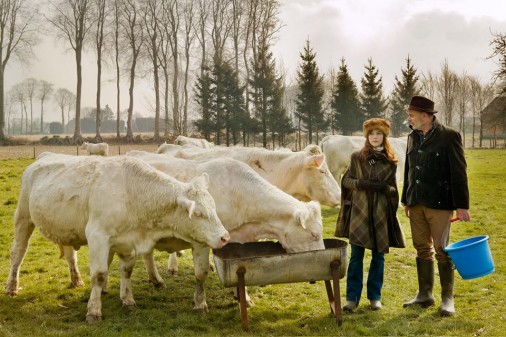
{"points": [[352, 174], [458, 168]]}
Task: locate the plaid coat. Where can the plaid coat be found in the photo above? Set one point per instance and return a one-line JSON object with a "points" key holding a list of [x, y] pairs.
{"points": [[369, 218]]}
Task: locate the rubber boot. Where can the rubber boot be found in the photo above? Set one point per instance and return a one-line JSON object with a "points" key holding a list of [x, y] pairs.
{"points": [[424, 298], [446, 277]]}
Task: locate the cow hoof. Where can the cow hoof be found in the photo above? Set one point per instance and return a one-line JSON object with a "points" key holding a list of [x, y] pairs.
{"points": [[157, 284], [130, 307], [11, 293], [173, 271], [77, 284], [93, 318], [201, 309]]}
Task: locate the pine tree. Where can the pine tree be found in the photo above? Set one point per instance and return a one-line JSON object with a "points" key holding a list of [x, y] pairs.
{"points": [[309, 106], [279, 122], [401, 96], [372, 102], [347, 115], [204, 96], [264, 85]]}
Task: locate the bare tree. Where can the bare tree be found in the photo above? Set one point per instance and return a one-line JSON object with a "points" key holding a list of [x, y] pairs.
{"points": [[221, 19], [189, 37], [164, 59], [30, 87], [151, 25], [18, 34], [481, 95], [117, 63], [73, 20], [463, 100], [173, 19], [65, 100], [446, 87], [201, 29], [131, 26], [10, 105], [45, 89], [499, 45], [99, 18], [428, 85], [18, 95]]}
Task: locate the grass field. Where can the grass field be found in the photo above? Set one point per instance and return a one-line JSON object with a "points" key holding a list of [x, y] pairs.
{"points": [[47, 306]]}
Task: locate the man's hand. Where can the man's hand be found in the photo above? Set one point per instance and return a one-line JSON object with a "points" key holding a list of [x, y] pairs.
{"points": [[463, 214], [406, 211]]}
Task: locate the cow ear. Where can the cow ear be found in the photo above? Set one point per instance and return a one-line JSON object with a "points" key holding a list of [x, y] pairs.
{"points": [[201, 182], [300, 217], [316, 161], [188, 204], [314, 207]]}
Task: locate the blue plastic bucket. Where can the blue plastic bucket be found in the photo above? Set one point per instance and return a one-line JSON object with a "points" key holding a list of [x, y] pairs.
{"points": [[472, 257]]}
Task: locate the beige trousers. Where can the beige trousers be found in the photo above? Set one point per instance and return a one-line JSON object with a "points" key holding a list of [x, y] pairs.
{"points": [[430, 230]]}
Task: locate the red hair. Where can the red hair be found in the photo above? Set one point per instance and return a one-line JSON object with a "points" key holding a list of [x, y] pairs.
{"points": [[368, 148]]}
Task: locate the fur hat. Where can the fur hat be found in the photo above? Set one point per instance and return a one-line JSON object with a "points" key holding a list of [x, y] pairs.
{"points": [[380, 124], [422, 104]]}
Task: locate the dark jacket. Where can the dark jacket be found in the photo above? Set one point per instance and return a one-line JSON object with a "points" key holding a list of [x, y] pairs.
{"points": [[435, 170], [368, 218]]}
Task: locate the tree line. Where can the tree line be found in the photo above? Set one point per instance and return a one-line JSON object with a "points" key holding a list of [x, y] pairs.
{"points": [[212, 70]]}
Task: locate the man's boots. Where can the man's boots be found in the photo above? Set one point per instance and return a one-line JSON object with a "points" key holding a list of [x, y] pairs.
{"points": [[424, 298], [446, 275]]}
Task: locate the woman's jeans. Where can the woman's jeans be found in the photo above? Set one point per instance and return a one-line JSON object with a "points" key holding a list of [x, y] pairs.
{"points": [[355, 277]]}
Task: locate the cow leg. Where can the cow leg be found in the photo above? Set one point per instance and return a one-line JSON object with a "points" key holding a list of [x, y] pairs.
{"points": [[22, 232], [172, 263], [99, 269], [153, 275], [127, 265], [201, 265], [105, 286], [71, 256]]}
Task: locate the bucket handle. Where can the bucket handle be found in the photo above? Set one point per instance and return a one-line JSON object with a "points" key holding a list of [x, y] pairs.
{"points": [[457, 219]]}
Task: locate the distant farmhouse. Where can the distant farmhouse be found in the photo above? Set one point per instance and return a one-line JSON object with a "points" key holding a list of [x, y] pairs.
{"points": [[494, 121]]}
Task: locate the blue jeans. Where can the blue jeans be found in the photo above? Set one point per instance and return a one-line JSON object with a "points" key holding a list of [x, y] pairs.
{"points": [[355, 277]]}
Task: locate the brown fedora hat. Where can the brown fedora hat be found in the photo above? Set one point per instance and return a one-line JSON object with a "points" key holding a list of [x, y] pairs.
{"points": [[422, 104]]}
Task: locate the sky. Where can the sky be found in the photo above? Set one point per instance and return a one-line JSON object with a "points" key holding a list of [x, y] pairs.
{"points": [[387, 31]]}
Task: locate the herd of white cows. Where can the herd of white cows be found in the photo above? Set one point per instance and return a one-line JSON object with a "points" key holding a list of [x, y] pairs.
{"points": [[186, 195]]}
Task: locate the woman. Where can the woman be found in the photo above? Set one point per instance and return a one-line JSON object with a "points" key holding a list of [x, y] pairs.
{"points": [[368, 212]]}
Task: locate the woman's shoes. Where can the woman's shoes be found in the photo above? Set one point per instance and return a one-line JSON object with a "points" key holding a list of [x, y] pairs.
{"points": [[376, 305], [350, 306]]}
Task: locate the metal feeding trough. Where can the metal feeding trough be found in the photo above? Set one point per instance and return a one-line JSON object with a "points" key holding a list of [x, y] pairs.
{"points": [[261, 263]]}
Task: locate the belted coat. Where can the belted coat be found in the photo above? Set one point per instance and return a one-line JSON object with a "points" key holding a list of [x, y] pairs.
{"points": [[435, 170], [369, 218]]}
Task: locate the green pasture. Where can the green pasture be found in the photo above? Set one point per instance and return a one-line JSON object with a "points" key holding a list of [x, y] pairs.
{"points": [[47, 306]]}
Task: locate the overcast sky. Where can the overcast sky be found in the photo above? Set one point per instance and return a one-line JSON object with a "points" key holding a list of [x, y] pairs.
{"points": [[429, 31]]}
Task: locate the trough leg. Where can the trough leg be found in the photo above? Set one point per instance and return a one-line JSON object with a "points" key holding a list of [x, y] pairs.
{"points": [[334, 295], [241, 294]]}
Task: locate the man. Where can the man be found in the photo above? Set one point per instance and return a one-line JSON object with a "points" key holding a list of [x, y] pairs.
{"points": [[435, 184]]}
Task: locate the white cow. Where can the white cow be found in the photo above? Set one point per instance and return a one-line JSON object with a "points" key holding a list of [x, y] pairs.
{"points": [[100, 149], [249, 207], [338, 150], [303, 174], [114, 205], [199, 142]]}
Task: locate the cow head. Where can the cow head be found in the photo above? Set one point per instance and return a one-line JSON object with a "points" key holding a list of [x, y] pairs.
{"points": [[200, 223], [318, 182], [305, 230]]}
